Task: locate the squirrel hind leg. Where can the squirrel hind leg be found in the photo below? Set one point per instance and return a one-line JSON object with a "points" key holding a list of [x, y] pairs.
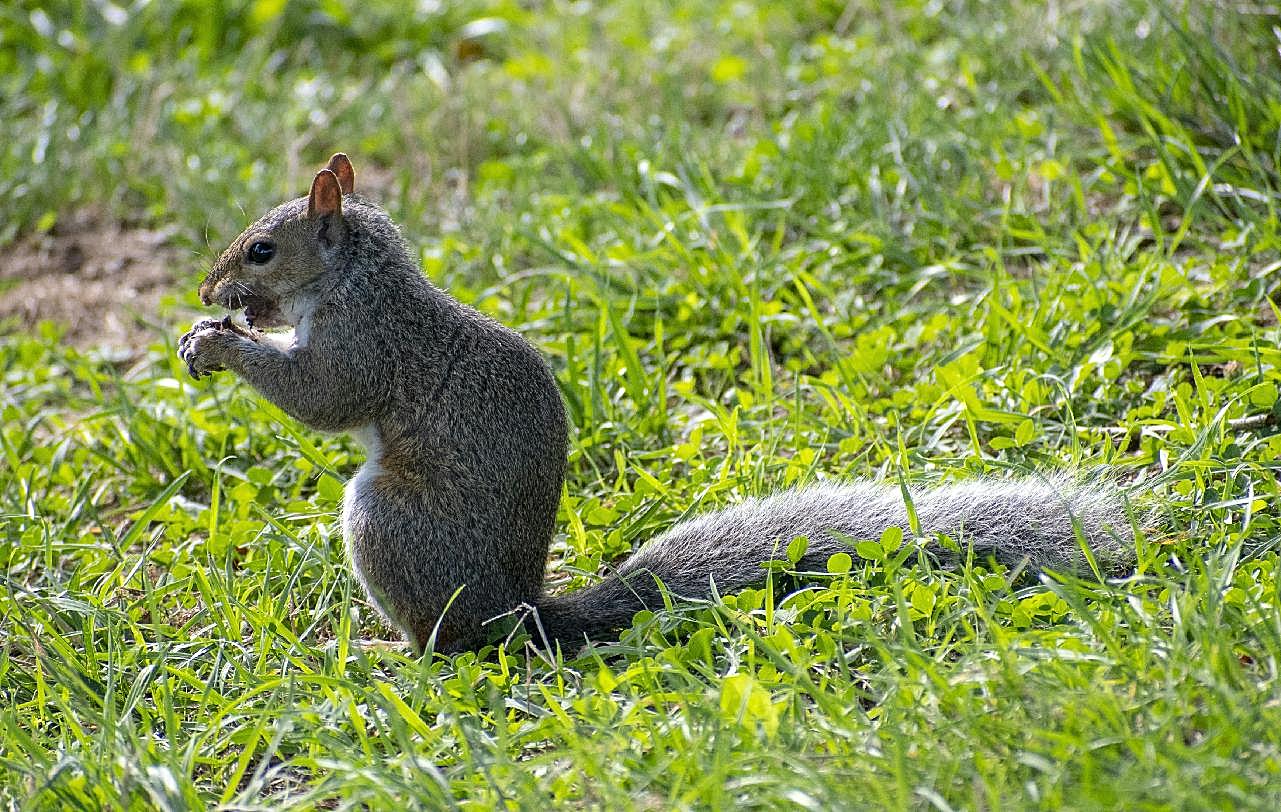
{"points": [[440, 636], [444, 637]]}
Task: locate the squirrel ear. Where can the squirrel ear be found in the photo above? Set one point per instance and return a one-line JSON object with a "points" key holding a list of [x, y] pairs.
{"points": [[340, 165], [326, 195]]}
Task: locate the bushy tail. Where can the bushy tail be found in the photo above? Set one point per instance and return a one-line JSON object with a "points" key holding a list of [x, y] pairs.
{"points": [[1028, 521]]}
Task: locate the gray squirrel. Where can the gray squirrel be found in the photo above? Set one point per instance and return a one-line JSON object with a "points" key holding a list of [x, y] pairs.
{"points": [[449, 520]]}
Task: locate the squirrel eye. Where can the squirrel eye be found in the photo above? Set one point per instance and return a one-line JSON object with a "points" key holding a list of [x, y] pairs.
{"points": [[261, 253]]}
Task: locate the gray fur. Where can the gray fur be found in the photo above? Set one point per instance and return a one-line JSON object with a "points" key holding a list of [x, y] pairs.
{"points": [[464, 421], [467, 437], [1028, 521]]}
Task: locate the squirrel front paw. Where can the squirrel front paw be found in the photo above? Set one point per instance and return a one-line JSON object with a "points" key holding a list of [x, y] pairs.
{"points": [[203, 324], [207, 345], [224, 323]]}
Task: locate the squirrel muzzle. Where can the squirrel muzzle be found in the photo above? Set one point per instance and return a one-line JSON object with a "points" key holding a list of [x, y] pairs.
{"points": [[206, 291]]}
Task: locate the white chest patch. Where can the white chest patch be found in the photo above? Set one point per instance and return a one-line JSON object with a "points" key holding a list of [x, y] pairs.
{"points": [[302, 333], [298, 311]]}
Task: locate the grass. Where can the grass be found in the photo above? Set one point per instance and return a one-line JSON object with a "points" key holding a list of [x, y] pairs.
{"points": [[760, 244]]}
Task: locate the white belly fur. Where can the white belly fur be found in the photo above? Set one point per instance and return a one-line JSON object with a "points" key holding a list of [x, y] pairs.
{"points": [[353, 497], [367, 435]]}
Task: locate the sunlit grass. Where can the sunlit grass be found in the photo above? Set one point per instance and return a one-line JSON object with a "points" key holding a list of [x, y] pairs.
{"points": [[760, 245]]}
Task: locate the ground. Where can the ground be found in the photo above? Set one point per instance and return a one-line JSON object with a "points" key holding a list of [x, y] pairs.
{"points": [[98, 280]]}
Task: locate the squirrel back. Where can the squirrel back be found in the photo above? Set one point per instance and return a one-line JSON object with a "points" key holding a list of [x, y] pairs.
{"points": [[449, 521]]}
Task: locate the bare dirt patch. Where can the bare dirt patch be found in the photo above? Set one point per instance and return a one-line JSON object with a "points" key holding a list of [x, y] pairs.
{"points": [[101, 280]]}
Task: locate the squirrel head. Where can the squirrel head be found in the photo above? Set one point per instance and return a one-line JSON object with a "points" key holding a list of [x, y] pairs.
{"points": [[271, 267]]}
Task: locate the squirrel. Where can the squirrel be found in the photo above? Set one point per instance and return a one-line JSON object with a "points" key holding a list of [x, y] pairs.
{"points": [[449, 520]]}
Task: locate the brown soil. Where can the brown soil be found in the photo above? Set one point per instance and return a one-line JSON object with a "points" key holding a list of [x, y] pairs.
{"points": [[103, 281], [100, 280]]}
